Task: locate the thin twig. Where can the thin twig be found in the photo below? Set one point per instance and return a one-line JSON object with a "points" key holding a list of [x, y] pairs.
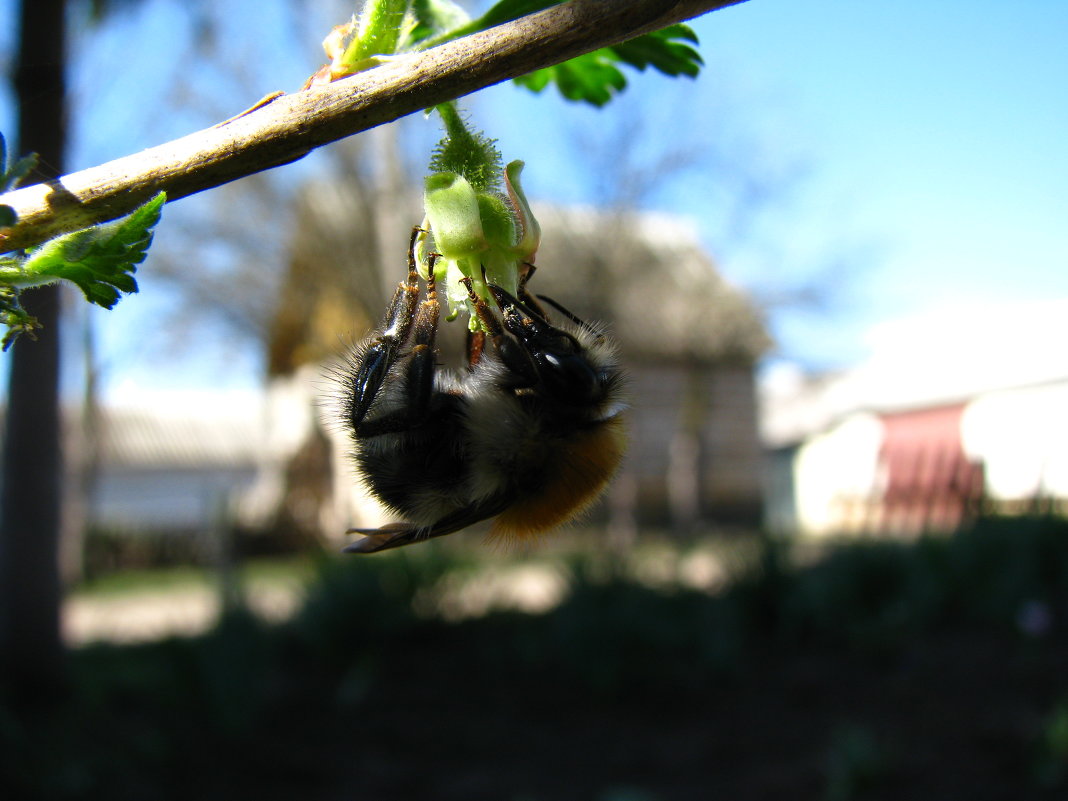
{"points": [[292, 125]]}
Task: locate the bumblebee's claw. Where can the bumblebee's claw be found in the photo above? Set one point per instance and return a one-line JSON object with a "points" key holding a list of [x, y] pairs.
{"points": [[374, 540], [395, 535]]}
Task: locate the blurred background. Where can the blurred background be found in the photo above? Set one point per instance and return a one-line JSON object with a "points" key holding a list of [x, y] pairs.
{"points": [[833, 564]]}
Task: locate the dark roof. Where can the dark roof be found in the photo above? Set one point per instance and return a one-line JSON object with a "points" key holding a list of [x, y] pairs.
{"points": [[645, 275], [146, 438], [649, 278], [217, 430]]}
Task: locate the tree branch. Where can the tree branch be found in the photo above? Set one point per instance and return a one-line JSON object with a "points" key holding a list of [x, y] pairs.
{"points": [[290, 126]]}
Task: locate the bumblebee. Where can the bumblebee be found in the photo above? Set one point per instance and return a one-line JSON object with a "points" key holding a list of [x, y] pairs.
{"points": [[529, 435]]}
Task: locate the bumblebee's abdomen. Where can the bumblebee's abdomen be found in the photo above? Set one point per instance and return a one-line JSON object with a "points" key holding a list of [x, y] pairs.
{"points": [[404, 476], [420, 473], [572, 474]]}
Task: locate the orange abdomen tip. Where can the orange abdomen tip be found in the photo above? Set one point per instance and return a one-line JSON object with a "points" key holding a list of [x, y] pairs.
{"points": [[577, 476]]}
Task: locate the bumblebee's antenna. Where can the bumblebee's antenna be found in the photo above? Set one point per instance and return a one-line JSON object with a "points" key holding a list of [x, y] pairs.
{"points": [[571, 316]]}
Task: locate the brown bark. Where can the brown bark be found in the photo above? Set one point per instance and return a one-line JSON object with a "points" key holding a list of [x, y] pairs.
{"points": [[31, 653]]}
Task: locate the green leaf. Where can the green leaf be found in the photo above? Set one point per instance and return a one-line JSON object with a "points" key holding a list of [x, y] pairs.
{"points": [[100, 260], [433, 17], [12, 315], [504, 11], [19, 170], [11, 174], [508, 10], [659, 51], [590, 78], [595, 77], [380, 24]]}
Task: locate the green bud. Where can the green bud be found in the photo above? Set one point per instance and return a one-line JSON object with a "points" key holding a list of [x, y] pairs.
{"points": [[452, 208], [478, 233], [528, 243]]}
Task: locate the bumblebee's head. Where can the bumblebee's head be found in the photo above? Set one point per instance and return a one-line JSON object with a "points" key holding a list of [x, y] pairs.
{"points": [[576, 370]]}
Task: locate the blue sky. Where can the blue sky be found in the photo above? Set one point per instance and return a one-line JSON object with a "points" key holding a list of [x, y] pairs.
{"points": [[914, 153], [932, 139], [941, 126]]}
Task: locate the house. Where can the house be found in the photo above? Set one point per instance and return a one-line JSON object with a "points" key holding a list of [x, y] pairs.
{"points": [[160, 477], [173, 466], [955, 414]]}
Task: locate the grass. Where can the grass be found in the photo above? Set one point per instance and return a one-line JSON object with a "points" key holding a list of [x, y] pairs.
{"points": [[273, 571], [880, 670]]}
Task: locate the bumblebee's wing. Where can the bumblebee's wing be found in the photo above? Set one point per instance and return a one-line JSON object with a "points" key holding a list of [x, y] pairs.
{"points": [[395, 535]]}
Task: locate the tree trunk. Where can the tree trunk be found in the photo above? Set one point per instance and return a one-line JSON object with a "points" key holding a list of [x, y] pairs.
{"points": [[31, 652]]}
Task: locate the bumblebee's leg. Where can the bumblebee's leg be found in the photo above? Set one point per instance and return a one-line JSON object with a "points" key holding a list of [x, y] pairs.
{"points": [[395, 535], [422, 364], [382, 352], [476, 344], [529, 300], [510, 352], [419, 369]]}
